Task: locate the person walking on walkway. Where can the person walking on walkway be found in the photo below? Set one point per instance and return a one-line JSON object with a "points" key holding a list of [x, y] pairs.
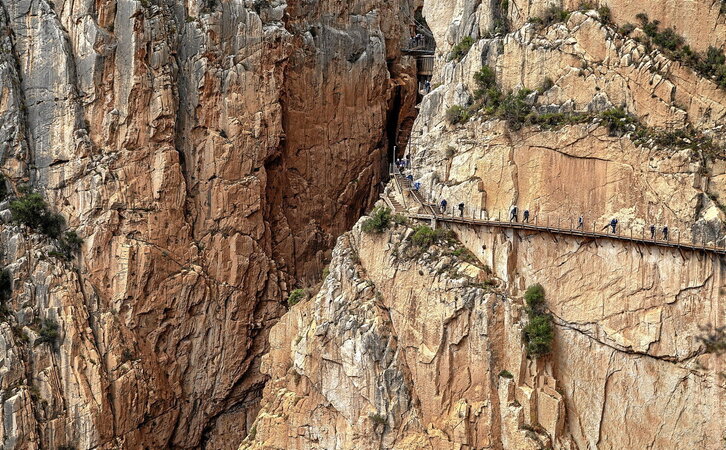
{"points": [[665, 232], [580, 222], [513, 215], [526, 216], [427, 86], [416, 186], [613, 223], [652, 232], [443, 205], [461, 210]]}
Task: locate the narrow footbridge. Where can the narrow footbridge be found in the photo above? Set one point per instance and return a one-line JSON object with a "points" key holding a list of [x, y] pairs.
{"points": [[430, 212]]}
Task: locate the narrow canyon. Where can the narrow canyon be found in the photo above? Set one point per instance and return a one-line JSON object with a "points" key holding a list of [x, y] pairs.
{"points": [[320, 224]]}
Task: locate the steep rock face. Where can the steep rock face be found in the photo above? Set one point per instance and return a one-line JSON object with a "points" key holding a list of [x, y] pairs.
{"points": [[416, 353], [628, 369], [185, 142], [579, 169], [399, 352]]}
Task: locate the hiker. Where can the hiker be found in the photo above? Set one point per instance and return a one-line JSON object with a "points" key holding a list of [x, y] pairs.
{"points": [[443, 206], [580, 223], [526, 216], [461, 210], [416, 186], [665, 232], [427, 86], [409, 178], [513, 216], [652, 232], [408, 160], [614, 223]]}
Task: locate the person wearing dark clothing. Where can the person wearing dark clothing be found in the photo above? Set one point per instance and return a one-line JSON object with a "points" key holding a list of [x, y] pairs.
{"points": [[614, 224], [443, 205], [526, 216], [461, 210], [416, 186], [409, 177], [580, 223], [665, 232], [407, 162], [427, 86], [513, 216], [652, 232]]}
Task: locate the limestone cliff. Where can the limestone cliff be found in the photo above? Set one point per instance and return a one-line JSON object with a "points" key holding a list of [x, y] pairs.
{"points": [[571, 116], [208, 153]]}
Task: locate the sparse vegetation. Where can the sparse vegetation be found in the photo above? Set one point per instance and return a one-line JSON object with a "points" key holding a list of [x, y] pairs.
{"points": [[378, 222], [377, 419], [626, 29], [506, 374], [547, 84], [606, 16], [711, 64], [461, 49], [457, 114], [48, 332], [3, 188], [399, 219], [714, 339], [539, 333], [32, 211], [424, 236], [554, 14], [295, 297]]}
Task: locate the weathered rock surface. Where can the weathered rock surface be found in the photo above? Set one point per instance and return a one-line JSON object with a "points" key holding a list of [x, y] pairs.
{"points": [[208, 152], [628, 369]]}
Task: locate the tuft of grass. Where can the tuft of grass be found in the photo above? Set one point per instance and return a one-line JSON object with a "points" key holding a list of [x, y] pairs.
{"points": [[506, 374]]}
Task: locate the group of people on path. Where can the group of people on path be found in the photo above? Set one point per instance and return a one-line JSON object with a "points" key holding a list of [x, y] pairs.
{"points": [[514, 217], [417, 40], [403, 163]]}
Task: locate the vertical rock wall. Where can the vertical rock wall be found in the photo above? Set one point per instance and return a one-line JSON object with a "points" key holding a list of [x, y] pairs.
{"points": [[208, 152]]}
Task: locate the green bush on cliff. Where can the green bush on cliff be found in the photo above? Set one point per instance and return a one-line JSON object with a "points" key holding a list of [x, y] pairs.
{"points": [[461, 49], [32, 211], [378, 222], [539, 333], [295, 297], [48, 332], [457, 114]]}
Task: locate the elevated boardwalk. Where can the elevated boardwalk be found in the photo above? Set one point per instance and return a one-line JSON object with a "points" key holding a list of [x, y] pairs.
{"points": [[430, 213]]}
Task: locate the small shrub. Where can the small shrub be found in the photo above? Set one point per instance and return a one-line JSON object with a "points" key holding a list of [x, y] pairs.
{"points": [[461, 49], [547, 84], [668, 39], [423, 236], [627, 29], [536, 20], [399, 219], [554, 14], [538, 335], [32, 211], [450, 152], [48, 332], [606, 16], [457, 114], [618, 121], [3, 188], [326, 272], [295, 297], [69, 245], [506, 374], [585, 6], [127, 355], [378, 222], [534, 296], [377, 419], [514, 109], [6, 285]]}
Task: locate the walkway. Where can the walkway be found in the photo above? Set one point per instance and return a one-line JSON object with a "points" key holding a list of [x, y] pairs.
{"points": [[431, 214]]}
